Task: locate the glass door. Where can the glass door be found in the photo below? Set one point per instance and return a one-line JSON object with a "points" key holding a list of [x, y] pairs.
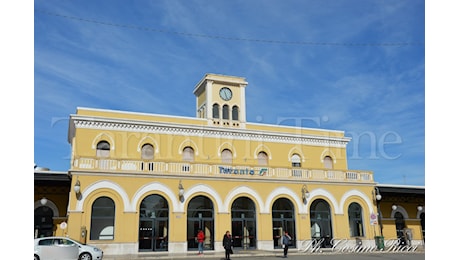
{"points": [[244, 233], [153, 235], [208, 228], [160, 235], [145, 235], [237, 233], [279, 226]]}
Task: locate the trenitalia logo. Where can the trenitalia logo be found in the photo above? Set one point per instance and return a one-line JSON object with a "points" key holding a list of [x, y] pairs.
{"points": [[240, 171]]}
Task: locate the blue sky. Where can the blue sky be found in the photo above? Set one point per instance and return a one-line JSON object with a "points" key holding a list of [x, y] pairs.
{"points": [[351, 65]]}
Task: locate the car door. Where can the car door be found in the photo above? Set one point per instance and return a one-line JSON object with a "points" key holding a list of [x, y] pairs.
{"points": [[66, 249], [58, 249]]}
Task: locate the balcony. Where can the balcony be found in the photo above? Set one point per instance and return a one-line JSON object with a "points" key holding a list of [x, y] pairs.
{"points": [[219, 170]]}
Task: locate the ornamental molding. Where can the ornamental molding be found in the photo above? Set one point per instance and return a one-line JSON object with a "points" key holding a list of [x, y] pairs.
{"points": [[206, 131]]}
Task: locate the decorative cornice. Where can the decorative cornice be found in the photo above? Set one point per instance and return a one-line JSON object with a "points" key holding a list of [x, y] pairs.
{"points": [[206, 131]]}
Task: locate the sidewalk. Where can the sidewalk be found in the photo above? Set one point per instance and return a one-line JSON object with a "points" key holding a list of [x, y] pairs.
{"points": [[237, 254], [194, 255]]}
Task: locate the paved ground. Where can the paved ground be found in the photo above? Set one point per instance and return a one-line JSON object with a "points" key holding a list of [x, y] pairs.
{"points": [[277, 255]]}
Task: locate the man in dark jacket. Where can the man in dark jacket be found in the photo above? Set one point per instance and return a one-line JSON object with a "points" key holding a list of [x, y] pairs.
{"points": [[227, 242]]}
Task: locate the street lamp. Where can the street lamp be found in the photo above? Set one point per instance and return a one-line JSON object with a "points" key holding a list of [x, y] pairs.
{"points": [[43, 201], [377, 195], [77, 187], [181, 191], [305, 193]]}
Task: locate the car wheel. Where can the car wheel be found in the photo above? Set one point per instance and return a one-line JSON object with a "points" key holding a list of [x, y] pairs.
{"points": [[36, 257], [85, 256]]}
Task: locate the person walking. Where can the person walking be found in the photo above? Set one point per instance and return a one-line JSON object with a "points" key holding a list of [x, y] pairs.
{"points": [[285, 243], [200, 239], [227, 242]]}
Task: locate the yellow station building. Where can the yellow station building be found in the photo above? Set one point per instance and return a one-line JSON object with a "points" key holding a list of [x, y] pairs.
{"points": [[148, 182]]}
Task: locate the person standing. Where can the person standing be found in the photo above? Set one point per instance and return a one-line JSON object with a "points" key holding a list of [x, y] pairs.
{"points": [[285, 243], [227, 242], [200, 239]]}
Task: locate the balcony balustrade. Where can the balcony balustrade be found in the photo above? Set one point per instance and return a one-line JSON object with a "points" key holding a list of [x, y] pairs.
{"points": [[219, 170]]}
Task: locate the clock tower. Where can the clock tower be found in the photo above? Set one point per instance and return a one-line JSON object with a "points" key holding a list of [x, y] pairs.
{"points": [[221, 100]]}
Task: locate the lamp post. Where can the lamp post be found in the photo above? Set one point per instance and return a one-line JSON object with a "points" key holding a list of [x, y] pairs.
{"points": [[377, 199], [422, 221], [378, 239]]}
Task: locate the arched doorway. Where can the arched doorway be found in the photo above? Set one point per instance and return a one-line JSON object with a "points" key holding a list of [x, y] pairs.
{"points": [[400, 224], [153, 224], [355, 220], [244, 223], [422, 223], [43, 221], [283, 219], [320, 222], [200, 215]]}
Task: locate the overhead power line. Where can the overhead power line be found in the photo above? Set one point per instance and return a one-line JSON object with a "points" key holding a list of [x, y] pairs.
{"points": [[219, 37]]}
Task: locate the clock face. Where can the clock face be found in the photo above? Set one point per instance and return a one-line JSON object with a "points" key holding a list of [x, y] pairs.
{"points": [[225, 94]]}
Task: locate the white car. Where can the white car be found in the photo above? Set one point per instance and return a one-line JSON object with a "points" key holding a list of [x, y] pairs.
{"points": [[64, 248]]}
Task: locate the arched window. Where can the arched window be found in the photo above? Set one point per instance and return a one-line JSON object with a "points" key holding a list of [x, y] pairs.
{"points": [[102, 219], [295, 159], [215, 111], [355, 220], [227, 156], [225, 112], [262, 159], [235, 112], [188, 154], [147, 152], [328, 163], [103, 149]]}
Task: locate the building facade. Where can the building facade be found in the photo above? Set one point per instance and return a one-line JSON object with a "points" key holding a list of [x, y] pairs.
{"points": [[148, 182]]}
